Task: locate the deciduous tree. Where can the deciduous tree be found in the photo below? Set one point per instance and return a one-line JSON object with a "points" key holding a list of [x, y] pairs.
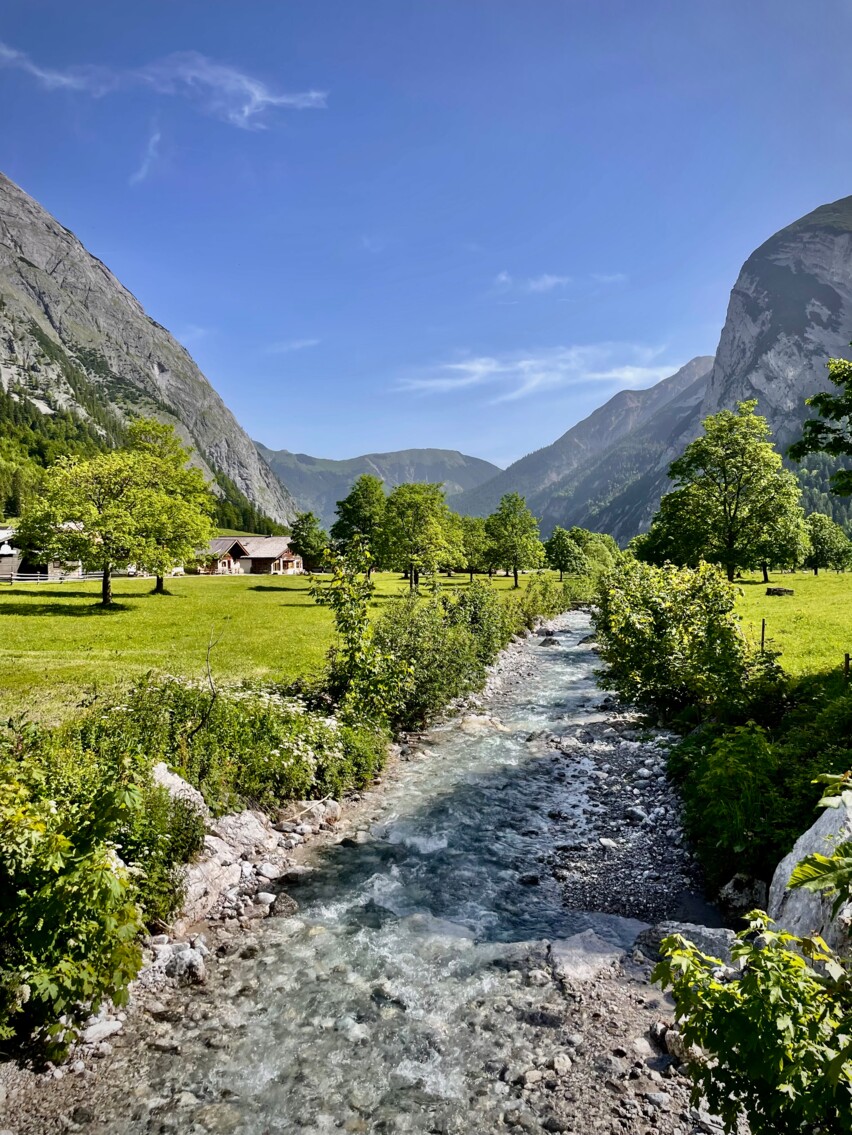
{"points": [[829, 545], [309, 540], [732, 497], [360, 513], [513, 531], [417, 534], [565, 554]]}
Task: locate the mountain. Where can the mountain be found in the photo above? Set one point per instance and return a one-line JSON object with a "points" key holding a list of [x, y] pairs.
{"points": [[580, 474], [318, 483], [790, 310], [73, 338]]}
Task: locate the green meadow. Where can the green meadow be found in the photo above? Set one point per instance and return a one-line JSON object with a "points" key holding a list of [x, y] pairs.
{"points": [[58, 646], [811, 628]]}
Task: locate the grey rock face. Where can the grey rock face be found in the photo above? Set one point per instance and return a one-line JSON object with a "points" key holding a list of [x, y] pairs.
{"points": [[801, 912], [47, 278]]}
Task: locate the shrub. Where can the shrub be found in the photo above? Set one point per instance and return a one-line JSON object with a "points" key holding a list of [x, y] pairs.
{"points": [[440, 655], [480, 610], [672, 642], [68, 919]]}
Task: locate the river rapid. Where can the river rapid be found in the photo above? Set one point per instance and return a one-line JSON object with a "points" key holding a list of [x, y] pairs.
{"points": [[411, 991]]}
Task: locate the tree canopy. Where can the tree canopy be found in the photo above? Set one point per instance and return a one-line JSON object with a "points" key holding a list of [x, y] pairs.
{"points": [[417, 533], [831, 432], [513, 532], [360, 513], [136, 505], [830, 547], [565, 554], [733, 504], [309, 540]]}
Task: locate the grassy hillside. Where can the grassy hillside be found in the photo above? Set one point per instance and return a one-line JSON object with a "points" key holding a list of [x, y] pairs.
{"points": [[59, 646]]}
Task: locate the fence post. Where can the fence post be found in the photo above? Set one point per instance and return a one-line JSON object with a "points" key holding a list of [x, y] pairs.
{"points": [[846, 667], [762, 635]]}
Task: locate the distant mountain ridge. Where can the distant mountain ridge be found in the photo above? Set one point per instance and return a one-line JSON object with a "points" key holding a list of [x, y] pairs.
{"points": [[576, 477], [72, 337], [318, 483]]}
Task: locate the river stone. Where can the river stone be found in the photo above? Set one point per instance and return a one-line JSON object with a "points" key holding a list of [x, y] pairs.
{"points": [[582, 957], [101, 1030], [711, 940], [187, 967], [741, 895], [801, 912]]}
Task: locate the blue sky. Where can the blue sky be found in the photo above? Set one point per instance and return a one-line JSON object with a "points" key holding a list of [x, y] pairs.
{"points": [[457, 223]]}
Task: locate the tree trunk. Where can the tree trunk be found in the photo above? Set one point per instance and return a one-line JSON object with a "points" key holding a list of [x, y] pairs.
{"points": [[471, 575], [160, 586], [816, 571], [515, 573], [765, 573], [106, 586], [730, 573], [560, 575], [415, 577]]}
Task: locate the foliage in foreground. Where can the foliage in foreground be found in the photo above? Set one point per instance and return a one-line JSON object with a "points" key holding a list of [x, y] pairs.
{"points": [[778, 1032]]}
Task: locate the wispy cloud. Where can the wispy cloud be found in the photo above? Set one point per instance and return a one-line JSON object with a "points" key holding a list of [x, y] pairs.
{"points": [[547, 282], [610, 277], [224, 91], [508, 377], [551, 281], [151, 154], [218, 89], [288, 345]]}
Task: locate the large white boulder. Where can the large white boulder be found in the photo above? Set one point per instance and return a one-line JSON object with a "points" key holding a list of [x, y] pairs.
{"points": [[178, 788], [801, 912], [583, 957], [216, 870], [248, 833]]}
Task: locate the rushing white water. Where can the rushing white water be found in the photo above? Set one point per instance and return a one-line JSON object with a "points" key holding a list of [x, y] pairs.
{"points": [[394, 997]]}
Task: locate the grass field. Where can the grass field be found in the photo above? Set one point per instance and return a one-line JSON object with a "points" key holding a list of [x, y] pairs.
{"points": [[58, 645], [812, 628]]}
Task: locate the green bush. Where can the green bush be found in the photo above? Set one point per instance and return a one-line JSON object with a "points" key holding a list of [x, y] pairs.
{"points": [[732, 796], [673, 643], [480, 610], [776, 1032], [69, 922], [440, 656]]}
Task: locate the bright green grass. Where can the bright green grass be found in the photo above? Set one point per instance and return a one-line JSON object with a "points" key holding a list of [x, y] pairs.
{"points": [[58, 645], [812, 629]]}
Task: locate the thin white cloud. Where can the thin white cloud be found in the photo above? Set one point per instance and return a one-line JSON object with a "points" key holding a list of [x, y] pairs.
{"points": [[508, 377], [151, 154], [288, 345], [219, 90], [224, 91], [609, 277], [547, 282]]}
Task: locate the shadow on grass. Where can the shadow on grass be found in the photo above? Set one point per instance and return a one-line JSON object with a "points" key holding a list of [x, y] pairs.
{"points": [[75, 610]]}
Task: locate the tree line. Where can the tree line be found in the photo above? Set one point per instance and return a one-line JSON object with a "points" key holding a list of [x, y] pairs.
{"points": [[414, 531]]}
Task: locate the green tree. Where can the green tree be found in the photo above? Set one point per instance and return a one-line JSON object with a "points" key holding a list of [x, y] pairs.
{"points": [[475, 543], [91, 512], [513, 531], [361, 513], [418, 535], [565, 554], [731, 496], [831, 432], [309, 540], [176, 514], [829, 545]]}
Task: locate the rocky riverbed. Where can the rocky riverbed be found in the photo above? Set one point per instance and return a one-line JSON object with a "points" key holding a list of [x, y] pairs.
{"points": [[456, 953]]}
